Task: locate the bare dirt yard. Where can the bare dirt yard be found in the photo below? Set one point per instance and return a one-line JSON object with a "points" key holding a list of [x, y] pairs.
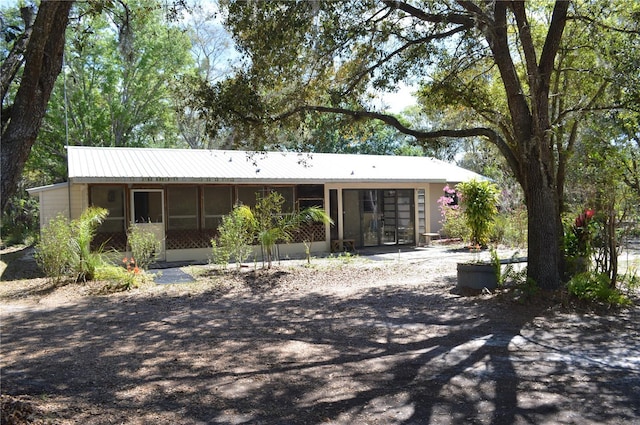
{"points": [[370, 339]]}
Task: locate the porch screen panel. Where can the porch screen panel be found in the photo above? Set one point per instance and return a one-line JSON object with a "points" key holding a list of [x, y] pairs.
{"points": [[112, 199], [287, 194], [247, 195], [218, 202], [310, 196], [182, 205]]}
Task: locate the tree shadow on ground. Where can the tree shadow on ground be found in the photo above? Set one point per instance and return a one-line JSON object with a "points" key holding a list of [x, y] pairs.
{"points": [[20, 264], [392, 355]]}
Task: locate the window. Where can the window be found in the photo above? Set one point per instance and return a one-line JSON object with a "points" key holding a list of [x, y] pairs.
{"points": [[182, 205], [111, 198], [218, 202]]}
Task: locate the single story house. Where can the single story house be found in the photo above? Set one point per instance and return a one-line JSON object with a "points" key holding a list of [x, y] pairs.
{"points": [[182, 194]]}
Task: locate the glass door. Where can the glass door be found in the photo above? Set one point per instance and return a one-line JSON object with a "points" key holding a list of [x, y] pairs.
{"points": [[398, 222], [405, 216], [389, 213], [374, 217]]}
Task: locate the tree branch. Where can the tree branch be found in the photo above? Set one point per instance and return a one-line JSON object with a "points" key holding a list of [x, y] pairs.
{"points": [[392, 121], [410, 43], [451, 18], [603, 25], [528, 46], [552, 42]]}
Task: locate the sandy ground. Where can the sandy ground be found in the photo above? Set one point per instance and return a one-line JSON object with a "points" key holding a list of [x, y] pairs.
{"points": [[377, 339]]}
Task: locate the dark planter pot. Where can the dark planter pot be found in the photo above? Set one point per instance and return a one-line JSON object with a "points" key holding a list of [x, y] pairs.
{"points": [[477, 276]]}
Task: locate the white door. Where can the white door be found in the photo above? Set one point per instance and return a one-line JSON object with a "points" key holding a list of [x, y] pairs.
{"points": [[148, 212]]}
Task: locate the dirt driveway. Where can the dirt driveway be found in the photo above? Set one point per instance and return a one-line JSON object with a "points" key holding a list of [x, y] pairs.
{"points": [[367, 340]]}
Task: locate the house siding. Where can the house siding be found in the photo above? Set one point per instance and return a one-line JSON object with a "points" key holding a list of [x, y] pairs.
{"points": [[53, 202], [436, 190], [79, 199]]}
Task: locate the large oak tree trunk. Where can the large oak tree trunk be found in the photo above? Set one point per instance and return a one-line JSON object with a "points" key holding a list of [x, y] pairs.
{"points": [[43, 63], [544, 231]]}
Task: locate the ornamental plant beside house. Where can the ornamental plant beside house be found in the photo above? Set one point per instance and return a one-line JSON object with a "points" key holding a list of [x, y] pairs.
{"points": [[64, 250], [65, 254], [478, 200], [266, 224], [454, 225]]}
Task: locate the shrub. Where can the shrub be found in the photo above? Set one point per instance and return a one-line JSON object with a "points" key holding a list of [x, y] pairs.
{"points": [[595, 288], [271, 226], [510, 228], [479, 206], [144, 246], [20, 220], [578, 242], [118, 278], [53, 252], [84, 228], [235, 236], [65, 247]]}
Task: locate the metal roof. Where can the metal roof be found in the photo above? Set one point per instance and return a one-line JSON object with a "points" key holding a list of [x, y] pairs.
{"points": [[131, 165]]}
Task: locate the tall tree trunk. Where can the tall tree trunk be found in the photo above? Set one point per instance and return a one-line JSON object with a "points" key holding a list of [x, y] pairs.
{"points": [[544, 232], [43, 63]]}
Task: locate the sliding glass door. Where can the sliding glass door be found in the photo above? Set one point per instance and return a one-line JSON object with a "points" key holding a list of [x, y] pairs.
{"points": [[374, 217]]}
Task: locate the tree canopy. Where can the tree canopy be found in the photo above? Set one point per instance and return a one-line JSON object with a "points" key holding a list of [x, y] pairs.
{"points": [[521, 75], [121, 73], [39, 49]]}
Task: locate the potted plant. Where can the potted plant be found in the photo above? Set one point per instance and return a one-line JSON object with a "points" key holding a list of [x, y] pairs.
{"points": [[477, 275], [478, 202]]}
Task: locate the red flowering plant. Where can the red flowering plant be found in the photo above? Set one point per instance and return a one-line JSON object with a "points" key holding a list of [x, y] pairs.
{"points": [[579, 242], [131, 265]]}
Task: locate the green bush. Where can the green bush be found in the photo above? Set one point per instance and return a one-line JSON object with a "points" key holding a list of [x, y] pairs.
{"points": [[84, 228], [510, 228], [65, 247], [53, 252], [454, 225], [20, 220], [144, 246], [595, 288], [479, 206], [118, 278], [235, 236]]}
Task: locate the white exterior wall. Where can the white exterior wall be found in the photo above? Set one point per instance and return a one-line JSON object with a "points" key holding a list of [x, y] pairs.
{"points": [[53, 202], [79, 199], [436, 190]]}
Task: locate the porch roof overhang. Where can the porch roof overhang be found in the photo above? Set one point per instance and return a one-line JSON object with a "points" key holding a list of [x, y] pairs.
{"points": [[36, 191], [184, 166]]}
